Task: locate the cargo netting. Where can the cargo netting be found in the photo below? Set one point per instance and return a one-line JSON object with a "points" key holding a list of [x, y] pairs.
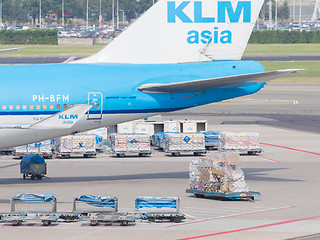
{"points": [[219, 172]]}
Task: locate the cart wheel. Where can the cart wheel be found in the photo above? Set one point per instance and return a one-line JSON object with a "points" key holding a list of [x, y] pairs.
{"points": [[124, 223], [32, 177], [199, 196], [45, 223], [16, 222], [196, 153], [39, 177], [85, 155], [175, 154], [24, 176], [94, 223], [177, 220]]}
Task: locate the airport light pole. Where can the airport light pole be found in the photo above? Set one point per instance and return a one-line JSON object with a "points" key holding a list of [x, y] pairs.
{"points": [[294, 10], [276, 15], [270, 14], [300, 18], [117, 14], [87, 14], [62, 13], [40, 13], [1, 13], [100, 16], [113, 25]]}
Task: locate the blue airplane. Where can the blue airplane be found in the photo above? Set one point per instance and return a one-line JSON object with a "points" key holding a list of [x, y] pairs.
{"points": [[179, 54]]}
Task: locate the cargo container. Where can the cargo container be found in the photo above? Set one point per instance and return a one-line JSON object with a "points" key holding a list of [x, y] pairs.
{"points": [[177, 143], [79, 144], [245, 142], [211, 140], [219, 176], [43, 148], [34, 166], [123, 144]]}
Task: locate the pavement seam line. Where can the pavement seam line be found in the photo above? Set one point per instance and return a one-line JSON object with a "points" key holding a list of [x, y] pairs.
{"points": [[289, 148], [251, 228], [233, 215]]}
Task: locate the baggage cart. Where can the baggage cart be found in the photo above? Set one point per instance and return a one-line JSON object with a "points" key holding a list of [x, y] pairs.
{"points": [[34, 166], [225, 195], [123, 144], [32, 207], [159, 209], [243, 142], [177, 143], [211, 140], [96, 210], [78, 144]]}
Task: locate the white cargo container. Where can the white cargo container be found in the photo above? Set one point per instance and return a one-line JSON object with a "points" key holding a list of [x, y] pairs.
{"points": [[247, 142], [43, 148], [171, 126], [144, 128], [127, 127], [79, 144], [176, 143], [122, 144]]}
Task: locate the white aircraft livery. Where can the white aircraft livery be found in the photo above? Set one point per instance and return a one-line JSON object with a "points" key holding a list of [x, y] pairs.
{"points": [[179, 54]]}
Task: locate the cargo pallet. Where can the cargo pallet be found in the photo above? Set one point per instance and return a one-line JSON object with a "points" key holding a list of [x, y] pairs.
{"points": [[101, 210], [225, 195], [16, 218], [157, 208]]}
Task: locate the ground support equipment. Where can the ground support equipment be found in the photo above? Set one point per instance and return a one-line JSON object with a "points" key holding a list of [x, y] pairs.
{"points": [[225, 195], [159, 209]]}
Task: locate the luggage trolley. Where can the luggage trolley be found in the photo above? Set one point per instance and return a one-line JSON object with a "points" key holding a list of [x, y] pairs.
{"points": [[34, 166], [159, 208], [96, 210], [32, 207]]}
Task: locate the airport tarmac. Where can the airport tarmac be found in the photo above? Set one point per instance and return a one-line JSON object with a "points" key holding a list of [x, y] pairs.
{"points": [[286, 174]]}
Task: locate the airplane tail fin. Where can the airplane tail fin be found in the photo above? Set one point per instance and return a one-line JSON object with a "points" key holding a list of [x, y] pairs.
{"points": [[180, 31]]}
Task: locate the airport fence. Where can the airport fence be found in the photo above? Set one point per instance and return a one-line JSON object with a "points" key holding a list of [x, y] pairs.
{"points": [[38, 36], [284, 37]]}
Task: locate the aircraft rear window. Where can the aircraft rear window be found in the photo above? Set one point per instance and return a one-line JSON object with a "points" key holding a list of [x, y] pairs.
{"points": [[65, 106], [10, 107], [38, 106], [17, 107], [51, 106], [24, 107], [45, 106], [31, 106], [58, 106], [98, 105], [4, 107]]}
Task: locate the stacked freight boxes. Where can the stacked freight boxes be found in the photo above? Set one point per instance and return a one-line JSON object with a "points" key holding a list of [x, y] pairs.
{"points": [[122, 144], [79, 144], [43, 148], [219, 173], [244, 142], [175, 143]]}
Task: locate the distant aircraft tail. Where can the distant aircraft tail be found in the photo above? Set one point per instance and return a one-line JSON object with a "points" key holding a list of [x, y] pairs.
{"points": [[180, 31]]}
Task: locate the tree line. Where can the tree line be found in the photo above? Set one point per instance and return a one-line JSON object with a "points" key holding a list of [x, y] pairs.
{"points": [[27, 11]]}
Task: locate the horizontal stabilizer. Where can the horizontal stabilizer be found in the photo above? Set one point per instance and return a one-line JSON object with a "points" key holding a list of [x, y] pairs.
{"points": [[64, 119], [221, 82]]}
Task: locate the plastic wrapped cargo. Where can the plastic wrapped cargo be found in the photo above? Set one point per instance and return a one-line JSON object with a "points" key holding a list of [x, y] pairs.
{"points": [[122, 144], [176, 143], [211, 139], [242, 141], [220, 172], [79, 144]]}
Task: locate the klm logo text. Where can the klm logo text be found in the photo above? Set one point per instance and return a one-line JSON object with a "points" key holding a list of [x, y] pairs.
{"points": [[67, 117], [225, 9]]}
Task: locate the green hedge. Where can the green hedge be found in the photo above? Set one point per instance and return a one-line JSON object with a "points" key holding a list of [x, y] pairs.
{"points": [[38, 36], [284, 37]]}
